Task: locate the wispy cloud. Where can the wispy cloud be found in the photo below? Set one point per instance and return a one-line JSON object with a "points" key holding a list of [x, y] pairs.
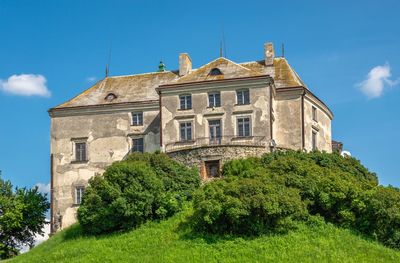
{"points": [[91, 79], [43, 188], [25, 85], [377, 80]]}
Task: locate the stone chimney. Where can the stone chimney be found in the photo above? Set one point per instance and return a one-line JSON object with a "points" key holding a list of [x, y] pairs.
{"points": [[269, 54], [185, 64]]}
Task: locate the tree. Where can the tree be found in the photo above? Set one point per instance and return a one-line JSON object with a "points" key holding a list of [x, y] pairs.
{"points": [[22, 216]]}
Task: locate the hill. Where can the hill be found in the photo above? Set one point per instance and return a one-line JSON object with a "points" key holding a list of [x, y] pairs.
{"points": [[173, 241]]}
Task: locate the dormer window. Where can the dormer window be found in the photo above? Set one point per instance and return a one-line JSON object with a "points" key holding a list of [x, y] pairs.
{"points": [[110, 97], [215, 72]]}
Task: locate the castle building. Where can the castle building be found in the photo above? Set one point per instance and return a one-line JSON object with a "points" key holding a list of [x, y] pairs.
{"points": [[201, 117]]}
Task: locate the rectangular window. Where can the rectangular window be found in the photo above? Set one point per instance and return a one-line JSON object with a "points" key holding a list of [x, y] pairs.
{"points": [[186, 131], [243, 97], [243, 126], [79, 191], [185, 102], [314, 141], [214, 99], [215, 131], [137, 118], [314, 113], [138, 145], [80, 151]]}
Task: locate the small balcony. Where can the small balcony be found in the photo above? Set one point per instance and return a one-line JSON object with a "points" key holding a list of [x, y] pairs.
{"points": [[259, 141]]}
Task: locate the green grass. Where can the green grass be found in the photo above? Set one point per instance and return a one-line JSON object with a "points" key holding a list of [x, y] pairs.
{"points": [[173, 241]]}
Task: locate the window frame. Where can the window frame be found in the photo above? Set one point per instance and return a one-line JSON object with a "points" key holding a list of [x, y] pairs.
{"points": [[243, 128], [181, 139], [75, 143], [243, 100], [81, 189], [139, 119], [214, 103], [314, 114], [134, 145], [314, 140], [185, 105]]}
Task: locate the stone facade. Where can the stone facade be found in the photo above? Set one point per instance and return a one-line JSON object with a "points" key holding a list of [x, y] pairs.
{"points": [[262, 105]]}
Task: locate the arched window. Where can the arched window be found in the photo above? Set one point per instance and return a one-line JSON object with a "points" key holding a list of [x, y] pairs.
{"points": [[110, 97], [215, 72]]}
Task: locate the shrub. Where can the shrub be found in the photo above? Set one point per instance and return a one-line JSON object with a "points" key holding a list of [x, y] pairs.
{"points": [[246, 206], [133, 191]]}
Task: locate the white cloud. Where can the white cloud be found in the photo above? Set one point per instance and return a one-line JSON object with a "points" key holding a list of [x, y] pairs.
{"points": [[25, 85], [38, 238], [43, 188], [377, 80], [91, 79]]}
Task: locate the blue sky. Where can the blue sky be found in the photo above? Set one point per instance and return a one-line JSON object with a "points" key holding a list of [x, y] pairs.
{"points": [[347, 52]]}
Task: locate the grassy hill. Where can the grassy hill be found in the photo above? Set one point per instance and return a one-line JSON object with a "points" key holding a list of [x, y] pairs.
{"points": [[173, 241]]}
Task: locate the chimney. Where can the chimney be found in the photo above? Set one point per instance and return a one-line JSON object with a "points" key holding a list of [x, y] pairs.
{"points": [[185, 64], [269, 54]]}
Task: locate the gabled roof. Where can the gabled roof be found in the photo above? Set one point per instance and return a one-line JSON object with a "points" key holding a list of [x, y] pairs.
{"points": [[228, 69], [142, 87]]}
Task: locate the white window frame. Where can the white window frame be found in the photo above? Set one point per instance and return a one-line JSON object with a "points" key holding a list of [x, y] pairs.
{"points": [[81, 190], [191, 131], [137, 114]]}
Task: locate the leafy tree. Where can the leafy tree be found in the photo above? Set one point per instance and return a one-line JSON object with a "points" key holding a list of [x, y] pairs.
{"points": [[130, 192], [22, 216]]}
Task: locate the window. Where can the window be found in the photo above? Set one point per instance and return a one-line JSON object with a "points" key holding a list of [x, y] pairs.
{"points": [[243, 97], [79, 191], [314, 140], [110, 97], [214, 99], [186, 102], [137, 118], [80, 152], [138, 145], [215, 72], [186, 131], [215, 131], [314, 113], [243, 126]]}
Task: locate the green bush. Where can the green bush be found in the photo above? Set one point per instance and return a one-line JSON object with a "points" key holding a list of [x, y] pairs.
{"points": [[246, 206], [143, 187], [340, 190]]}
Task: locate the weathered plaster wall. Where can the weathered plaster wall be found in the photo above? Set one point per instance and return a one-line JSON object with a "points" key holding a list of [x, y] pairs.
{"points": [[322, 126], [200, 114], [287, 125], [196, 157], [108, 138]]}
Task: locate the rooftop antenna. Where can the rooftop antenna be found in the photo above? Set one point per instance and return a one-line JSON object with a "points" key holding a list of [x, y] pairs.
{"points": [[283, 50], [220, 49], [109, 62], [223, 40]]}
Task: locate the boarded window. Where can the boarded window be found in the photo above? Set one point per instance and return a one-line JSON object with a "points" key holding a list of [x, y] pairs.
{"points": [[314, 141], [243, 97], [185, 102], [314, 113], [186, 131], [138, 145], [243, 126]]}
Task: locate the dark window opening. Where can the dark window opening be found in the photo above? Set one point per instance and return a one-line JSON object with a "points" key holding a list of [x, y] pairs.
{"points": [[138, 145], [215, 72], [80, 151], [111, 97], [314, 141]]}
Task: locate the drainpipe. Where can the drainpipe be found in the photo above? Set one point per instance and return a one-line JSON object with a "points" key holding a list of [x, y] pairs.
{"points": [[160, 106], [51, 195], [302, 121]]}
